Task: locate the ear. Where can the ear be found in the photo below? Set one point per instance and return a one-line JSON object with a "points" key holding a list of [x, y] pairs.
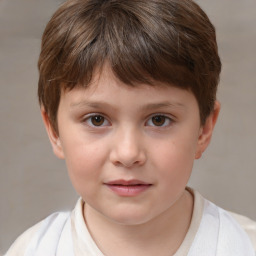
{"points": [[206, 131], [53, 137]]}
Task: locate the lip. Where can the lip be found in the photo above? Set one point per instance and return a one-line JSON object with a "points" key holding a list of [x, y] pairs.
{"points": [[128, 188]]}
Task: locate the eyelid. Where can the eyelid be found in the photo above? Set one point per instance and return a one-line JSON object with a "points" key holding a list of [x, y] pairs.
{"points": [[88, 116], [167, 116]]}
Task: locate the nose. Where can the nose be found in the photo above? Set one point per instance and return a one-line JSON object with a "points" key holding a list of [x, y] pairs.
{"points": [[128, 149]]}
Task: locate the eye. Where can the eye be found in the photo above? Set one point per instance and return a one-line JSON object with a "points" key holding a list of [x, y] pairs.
{"points": [[97, 121], [159, 121]]}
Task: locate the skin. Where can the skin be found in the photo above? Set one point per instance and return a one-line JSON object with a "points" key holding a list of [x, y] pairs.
{"points": [[111, 131]]}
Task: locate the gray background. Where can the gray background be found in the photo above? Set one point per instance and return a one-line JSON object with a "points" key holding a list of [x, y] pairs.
{"points": [[33, 183]]}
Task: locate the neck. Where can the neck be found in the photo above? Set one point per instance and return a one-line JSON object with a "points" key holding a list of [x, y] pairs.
{"points": [[162, 235]]}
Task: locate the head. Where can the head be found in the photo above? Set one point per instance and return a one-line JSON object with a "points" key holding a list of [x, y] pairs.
{"points": [[144, 41], [128, 90]]}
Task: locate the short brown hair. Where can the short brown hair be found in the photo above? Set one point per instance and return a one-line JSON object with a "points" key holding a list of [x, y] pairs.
{"points": [[171, 41]]}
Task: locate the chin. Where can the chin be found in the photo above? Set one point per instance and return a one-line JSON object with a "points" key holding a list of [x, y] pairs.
{"points": [[129, 217]]}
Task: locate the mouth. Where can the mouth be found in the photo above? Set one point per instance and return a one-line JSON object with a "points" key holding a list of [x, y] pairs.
{"points": [[128, 188], [127, 182]]}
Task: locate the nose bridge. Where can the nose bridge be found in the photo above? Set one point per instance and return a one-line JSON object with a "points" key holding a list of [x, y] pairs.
{"points": [[128, 147]]}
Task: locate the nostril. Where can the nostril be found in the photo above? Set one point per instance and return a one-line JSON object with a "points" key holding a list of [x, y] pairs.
{"points": [[127, 149], [128, 161]]}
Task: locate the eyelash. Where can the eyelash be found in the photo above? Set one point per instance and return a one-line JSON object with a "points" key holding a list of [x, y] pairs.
{"points": [[166, 122], [89, 119], [103, 122]]}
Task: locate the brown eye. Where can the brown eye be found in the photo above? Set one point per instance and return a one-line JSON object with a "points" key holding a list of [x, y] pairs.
{"points": [[158, 120], [97, 120]]}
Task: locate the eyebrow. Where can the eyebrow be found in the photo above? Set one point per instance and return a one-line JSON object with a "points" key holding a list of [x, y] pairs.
{"points": [[150, 106], [166, 104], [91, 104]]}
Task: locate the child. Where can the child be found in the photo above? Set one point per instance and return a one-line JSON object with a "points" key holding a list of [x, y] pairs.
{"points": [[128, 96]]}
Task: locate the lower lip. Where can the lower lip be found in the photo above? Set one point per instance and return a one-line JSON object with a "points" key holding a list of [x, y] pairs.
{"points": [[129, 191]]}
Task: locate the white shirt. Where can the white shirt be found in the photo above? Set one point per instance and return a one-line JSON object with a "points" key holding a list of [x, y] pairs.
{"points": [[212, 231]]}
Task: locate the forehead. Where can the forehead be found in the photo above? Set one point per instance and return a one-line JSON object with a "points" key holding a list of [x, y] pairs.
{"points": [[104, 80], [106, 89]]}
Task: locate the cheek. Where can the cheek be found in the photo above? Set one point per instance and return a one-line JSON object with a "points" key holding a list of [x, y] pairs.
{"points": [[84, 163], [175, 160]]}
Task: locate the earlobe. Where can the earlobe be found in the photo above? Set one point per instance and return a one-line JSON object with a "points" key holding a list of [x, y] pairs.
{"points": [[206, 131], [52, 135]]}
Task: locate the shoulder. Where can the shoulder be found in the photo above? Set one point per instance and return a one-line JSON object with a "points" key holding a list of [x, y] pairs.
{"points": [[230, 228], [50, 226], [248, 225], [231, 234], [20, 244], [222, 231]]}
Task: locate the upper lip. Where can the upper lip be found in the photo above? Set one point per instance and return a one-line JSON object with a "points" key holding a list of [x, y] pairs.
{"points": [[127, 182]]}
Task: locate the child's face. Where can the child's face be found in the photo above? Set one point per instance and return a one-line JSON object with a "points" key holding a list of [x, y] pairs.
{"points": [[129, 150]]}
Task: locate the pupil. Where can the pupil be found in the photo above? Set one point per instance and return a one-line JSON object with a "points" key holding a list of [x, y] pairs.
{"points": [[97, 120], [158, 120]]}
